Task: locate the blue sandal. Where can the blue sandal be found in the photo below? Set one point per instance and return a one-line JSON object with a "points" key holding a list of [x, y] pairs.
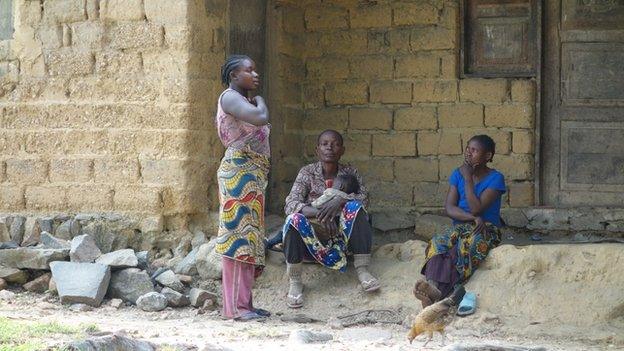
{"points": [[262, 312], [468, 304]]}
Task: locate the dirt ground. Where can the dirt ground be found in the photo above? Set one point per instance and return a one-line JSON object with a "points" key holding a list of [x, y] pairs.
{"points": [[557, 297]]}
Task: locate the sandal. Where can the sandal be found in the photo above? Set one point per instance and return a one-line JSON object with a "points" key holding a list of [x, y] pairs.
{"points": [[294, 301], [468, 304], [250, 316], [426, 293], [262, 312], [370, 285]]}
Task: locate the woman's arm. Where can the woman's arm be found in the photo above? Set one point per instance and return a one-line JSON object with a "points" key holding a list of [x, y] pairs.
{"points": [[295, 201], [254, 111], [454, 211]]}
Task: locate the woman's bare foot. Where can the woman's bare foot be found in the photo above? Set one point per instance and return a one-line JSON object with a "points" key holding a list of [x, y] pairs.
{"points": [[426, 292]]}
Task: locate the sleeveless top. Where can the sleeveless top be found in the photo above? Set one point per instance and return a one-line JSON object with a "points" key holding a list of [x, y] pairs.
{"points": [[237, 134]]}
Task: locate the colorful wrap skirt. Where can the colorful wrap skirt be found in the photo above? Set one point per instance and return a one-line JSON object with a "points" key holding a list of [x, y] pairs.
{"points": [[331, 253], [242, 178], [471, 248]]}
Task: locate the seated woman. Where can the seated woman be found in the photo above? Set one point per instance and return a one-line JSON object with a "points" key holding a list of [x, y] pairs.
{"points": [[326, 233], [473, 202]]}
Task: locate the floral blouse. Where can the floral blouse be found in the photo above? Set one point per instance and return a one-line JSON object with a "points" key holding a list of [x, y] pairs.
{"points": [[310, 185]]}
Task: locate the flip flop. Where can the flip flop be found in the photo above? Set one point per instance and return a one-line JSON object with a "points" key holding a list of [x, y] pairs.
{"points": [[262, 312], [250, 316], [468, 304]]}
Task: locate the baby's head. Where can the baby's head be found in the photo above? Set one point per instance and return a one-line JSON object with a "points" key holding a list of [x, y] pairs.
{"points": [[347, 183]]}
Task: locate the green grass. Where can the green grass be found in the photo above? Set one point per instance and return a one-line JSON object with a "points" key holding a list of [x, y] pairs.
{"points": [[21, 336]]}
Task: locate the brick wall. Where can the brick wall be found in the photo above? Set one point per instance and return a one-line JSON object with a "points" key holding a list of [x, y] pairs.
{"points": [[107, 106], [385, 73]]}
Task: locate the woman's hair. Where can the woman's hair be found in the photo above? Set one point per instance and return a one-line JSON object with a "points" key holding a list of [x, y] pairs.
{"points": [[231, 64], [488, 143]]}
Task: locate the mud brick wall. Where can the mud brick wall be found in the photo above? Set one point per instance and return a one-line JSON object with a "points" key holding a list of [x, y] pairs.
{"points": [[107, 106], [386, 74]]}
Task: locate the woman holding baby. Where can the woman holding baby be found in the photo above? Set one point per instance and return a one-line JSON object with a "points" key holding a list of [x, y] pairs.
{"points": [[324, 230]]}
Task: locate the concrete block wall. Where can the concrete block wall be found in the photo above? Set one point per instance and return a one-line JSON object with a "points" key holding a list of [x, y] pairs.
{"points": [[107, 106], [385, 73]]}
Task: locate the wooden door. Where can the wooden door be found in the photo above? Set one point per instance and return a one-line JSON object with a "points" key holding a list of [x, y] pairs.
{"points": [[582, 144]]}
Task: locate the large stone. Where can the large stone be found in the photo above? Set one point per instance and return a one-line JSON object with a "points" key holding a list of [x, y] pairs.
{"points": [[38, 285], [199, 296], [386, 221], [3, 284], [152, 302], [174, 298], [119, 259], [84, 249], [169, 279], [16, 229], [208, 262], [13, 275], [50, 242], [110, 342], [31, 232], [129, 284], [4, 232], [428, 225], [81, 282], [143, 259], [68, 229], [187, 265], [31, 258]]}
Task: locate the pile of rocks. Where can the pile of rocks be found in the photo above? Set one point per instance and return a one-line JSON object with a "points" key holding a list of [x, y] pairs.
{"points": [[84, 270]]}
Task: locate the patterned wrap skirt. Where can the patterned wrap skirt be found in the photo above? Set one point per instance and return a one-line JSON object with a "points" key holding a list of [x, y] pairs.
{"points": [[242, 178], [331, 253], [471, 248]]}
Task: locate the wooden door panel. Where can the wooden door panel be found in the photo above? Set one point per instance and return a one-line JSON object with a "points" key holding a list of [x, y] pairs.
{"points": [[583, 107]]}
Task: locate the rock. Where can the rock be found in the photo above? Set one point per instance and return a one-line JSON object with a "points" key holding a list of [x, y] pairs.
{"points": [[143, 260], [84, 249], [129, 284], [8, 245], [302, 336], [3, 284], [185, 279], [81, 282], [183, 248], [31, 258], [174, 298], [32, 232], [80, 307], [187, 265], [50, 242], [110, 342], [13, 275], [208, 263], [4, 232], [199, 238], [298, 318], [199, 296], [38, 285], [16, 228], [152, 302], [169, 279], [68, 230], [119, 259], [116, 303], [7, 295], [52, 287], [427, 225], [387, 221]]}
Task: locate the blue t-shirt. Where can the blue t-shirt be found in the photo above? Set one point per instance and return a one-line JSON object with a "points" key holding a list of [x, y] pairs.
{"points": [[494, 180]]}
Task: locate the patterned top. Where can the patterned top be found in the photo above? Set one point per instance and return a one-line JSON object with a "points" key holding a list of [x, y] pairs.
{"points": [[310, 185], [238, 134]]}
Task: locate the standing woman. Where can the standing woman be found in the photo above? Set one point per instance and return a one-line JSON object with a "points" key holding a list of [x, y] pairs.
{"points": [[243, 126]]}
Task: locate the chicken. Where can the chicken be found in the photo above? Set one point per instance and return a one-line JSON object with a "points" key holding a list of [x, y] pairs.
{"points": [[436, 316]]}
